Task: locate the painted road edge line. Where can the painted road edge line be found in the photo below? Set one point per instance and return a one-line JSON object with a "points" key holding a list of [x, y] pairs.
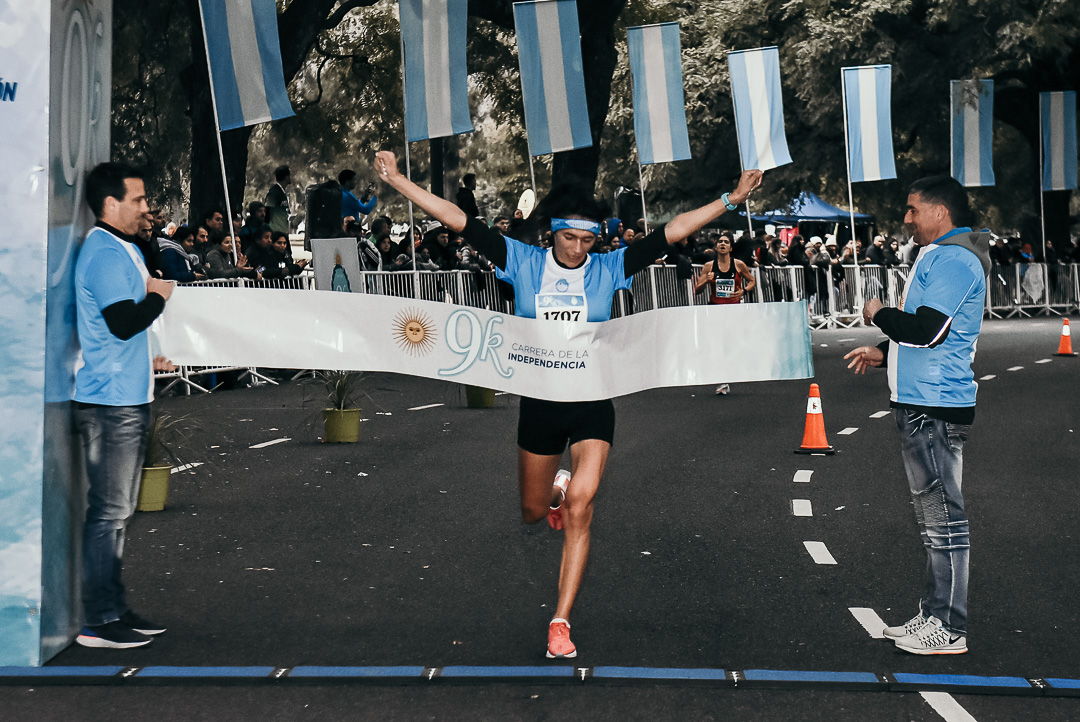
{"points": [[847, 431], [819, 552], [870, 621], [264, 444], [879, 414], [421, 408], [949, 709], [802, 476], [801, 507]]}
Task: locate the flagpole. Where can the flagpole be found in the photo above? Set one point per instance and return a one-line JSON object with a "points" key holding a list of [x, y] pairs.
{"points": [[408, 165], [851, 197], [738, 142], [1042, 193], [217, 135], [641, 187]]}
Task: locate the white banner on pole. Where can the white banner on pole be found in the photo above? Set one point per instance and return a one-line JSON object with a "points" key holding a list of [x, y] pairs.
{"points": [[759, 107], [867, 94], [558, 361]]}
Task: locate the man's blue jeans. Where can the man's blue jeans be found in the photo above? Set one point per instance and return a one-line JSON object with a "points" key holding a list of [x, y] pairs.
{"points": [[113, 442], [933, 452]]}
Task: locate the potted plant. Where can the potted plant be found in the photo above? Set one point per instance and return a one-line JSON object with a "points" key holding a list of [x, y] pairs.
{"points": [[477, 397], [158, 461], [341, 418]]}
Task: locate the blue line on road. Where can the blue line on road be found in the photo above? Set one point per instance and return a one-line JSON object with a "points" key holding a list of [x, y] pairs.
{"points": [[315, 671], [774, 675], [657, 673], [204, 672], [961, 680], [60, 671], [492, 672]]}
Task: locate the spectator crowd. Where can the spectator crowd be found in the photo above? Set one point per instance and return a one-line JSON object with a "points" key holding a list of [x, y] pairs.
{"points": [[257, 246]]}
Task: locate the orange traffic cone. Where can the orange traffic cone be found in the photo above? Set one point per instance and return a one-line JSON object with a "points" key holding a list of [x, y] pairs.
{"points": [[1065, 347], [813, 440]]}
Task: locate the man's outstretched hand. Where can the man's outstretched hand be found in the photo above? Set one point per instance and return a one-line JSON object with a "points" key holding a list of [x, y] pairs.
{"points": [[865, 357]]}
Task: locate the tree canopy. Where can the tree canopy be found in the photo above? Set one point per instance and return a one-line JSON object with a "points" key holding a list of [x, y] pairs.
{"points": [[342, 63]]}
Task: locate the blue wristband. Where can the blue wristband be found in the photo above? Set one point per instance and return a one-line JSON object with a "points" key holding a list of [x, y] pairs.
{"points": [[727, 203]]}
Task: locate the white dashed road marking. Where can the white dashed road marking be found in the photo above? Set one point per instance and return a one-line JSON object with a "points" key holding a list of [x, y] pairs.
{"points": [[185, 467], [801, 507], [819, 552], [869, 620], [879, 414], [848, 431], [264, 444], [1044, 360], [802, 476], [949, 709], [421, 408], [1016, 368], [987, 377]]}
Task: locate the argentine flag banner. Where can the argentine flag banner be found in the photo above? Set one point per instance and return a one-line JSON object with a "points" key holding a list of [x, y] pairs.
{"points": [[759, 110], [972, 121], [245, 61], [867, 101], [552, 81], [436, 81], [1057, 113], [659, 107]]}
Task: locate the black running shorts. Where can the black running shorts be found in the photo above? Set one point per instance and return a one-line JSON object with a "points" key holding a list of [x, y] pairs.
{"points": [[545, 427]]}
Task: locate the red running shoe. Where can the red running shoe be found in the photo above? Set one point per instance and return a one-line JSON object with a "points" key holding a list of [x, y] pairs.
{"points": [[562, 480], [559, 644]]}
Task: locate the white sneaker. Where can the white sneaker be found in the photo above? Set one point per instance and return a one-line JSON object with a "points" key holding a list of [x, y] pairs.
{"points": [[723, 389], [932, 638], [909, 627]]}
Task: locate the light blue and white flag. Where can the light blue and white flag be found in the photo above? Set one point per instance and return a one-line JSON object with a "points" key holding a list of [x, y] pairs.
{"points": [[867, 94], [436, 81], [972, 123], [245, 61], [659, 107], [1057, 113], [759, 109], [552, 81]]}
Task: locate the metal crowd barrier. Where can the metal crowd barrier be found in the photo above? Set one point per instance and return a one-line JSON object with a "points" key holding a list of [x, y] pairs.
{"points": [[835, 299]]}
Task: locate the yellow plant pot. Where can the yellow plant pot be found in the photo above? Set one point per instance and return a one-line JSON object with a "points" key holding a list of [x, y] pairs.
{"points": [[477, 397], [342, 427], [154, 488]]}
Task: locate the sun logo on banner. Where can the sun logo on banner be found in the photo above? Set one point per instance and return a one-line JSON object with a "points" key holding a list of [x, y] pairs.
{"points": [[414, 332]]}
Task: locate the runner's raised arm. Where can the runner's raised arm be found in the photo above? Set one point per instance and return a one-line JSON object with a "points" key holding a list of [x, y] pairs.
{"points": [[442, 210], [684, 224]]}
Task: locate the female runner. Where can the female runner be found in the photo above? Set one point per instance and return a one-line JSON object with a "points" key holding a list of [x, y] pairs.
{"points": [[549, 282]]}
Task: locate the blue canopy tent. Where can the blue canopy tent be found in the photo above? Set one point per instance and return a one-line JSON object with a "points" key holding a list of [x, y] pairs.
{"points": [[814, 216], [808, 207]]}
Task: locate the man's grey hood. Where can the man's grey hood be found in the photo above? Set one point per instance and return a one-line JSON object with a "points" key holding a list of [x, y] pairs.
{"points": [[978, 242]]}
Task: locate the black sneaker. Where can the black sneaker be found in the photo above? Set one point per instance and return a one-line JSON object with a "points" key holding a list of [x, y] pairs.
{"points": [[143, 626], [114, 635]]}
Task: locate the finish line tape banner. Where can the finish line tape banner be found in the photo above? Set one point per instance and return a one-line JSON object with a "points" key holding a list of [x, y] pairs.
{"points": [[553, 360]]}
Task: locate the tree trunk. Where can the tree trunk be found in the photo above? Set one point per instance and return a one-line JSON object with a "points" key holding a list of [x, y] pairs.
{"points": [[435, 149], [598, 59], [206, 189]]}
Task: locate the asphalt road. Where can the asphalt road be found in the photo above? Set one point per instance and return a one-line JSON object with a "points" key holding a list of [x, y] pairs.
{"points": [[407, 549]]}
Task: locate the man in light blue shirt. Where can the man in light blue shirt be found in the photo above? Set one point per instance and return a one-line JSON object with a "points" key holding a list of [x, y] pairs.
{"points": [[928, 353], [116, 300]]}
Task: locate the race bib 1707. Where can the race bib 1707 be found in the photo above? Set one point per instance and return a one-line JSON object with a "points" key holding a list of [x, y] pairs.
{"points": [[561, 307]]}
